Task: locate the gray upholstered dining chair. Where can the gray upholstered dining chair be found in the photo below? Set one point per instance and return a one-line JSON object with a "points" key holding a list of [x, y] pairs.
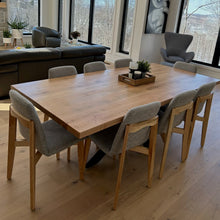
{"points": [[139, 125], [191, 67], [122, 63], [179, 110], [46, 138], [61, 71], [176, 46], [203, 98], [94, 66]]}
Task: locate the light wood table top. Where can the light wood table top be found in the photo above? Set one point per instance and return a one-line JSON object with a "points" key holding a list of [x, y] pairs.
{"points": [[88, 103]]}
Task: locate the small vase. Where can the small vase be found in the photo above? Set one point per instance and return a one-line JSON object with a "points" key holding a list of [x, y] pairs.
{"points": [[74, 41], [6, 40], [17, 33]]}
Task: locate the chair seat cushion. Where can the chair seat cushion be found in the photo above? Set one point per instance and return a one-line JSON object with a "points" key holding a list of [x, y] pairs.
{"points": [[104, 139], [174, 59], [57, 137]]}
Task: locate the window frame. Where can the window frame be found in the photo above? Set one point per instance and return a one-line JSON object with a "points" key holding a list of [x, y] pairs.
{"points": [[90, 28], [123, 25], [216, 54], [38, 17], [60, 14]]}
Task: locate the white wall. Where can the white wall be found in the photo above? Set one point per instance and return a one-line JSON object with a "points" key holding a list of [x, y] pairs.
{"points": [[49, 13]]}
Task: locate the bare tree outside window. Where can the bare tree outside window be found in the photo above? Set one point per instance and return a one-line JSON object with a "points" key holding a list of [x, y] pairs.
{"points": [[80, 18], [25, 10], [129, 25], [202, 20], [103, 22]]}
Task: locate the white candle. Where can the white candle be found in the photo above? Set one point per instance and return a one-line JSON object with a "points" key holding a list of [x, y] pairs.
{"points": [[137, 72], [133, 65]]}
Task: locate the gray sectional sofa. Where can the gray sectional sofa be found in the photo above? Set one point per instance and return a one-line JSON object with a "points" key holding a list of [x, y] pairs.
{"points": [[17, 66]]}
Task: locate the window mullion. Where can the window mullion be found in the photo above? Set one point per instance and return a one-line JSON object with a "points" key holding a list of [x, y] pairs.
{"points": [[216, 57], [91, 15]]}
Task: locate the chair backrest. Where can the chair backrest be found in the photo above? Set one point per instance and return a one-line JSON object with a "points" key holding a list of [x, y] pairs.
{"points": [[204, 90], [27, 110], [191, 67], [176, 44], [135, 115], [179, 100], [94, 66], [61, 71], [122, 63], [48, 32]]}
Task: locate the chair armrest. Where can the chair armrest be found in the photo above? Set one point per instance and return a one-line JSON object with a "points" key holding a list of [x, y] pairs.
{"points": [[38, 38], [189, 56], [163, 53], [53, 33]]}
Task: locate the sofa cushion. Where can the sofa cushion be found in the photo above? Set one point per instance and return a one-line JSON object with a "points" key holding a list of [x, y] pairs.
{"points": [[8, 68], [17, 56], [83, 51], [7, 79]]}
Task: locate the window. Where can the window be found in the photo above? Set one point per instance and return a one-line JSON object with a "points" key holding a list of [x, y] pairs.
{"points": [[79, 17], [60, 15], [202, 20], [103, 22], [127, 26], [93, 19], [25, 10]]}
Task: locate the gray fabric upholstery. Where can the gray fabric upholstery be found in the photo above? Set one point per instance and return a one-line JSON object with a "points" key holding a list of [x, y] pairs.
{"points": [[176, 46], [179, 100], [94, 66], [122, 63], [111, 139], [50, 137], [204, 90], [45, 37], [61, 71], [191, 67]]}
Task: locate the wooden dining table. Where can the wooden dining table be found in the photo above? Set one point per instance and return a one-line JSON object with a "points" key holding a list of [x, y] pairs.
{"points": [[87, 103]]}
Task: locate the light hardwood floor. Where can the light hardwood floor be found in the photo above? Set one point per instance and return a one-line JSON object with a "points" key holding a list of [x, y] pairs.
{"points": [[189, 190]]}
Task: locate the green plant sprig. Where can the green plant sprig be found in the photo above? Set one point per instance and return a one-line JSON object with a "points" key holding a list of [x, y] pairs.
{"points": [[144, 66], [7, 34], [16, 23], [27, 45]]}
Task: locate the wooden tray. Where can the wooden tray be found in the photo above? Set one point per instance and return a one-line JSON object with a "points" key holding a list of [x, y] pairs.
{"points": [[136, 82]]}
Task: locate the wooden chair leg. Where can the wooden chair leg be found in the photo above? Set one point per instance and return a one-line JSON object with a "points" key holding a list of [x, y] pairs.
{"points": [[81, 159], [166, 145], [118, 184], [68, 154], [86, 153], [190, 135], [205, 121], [46, 117], [151, 156], [121, 167], [58, 156], [11, 144], [185, 142], [165, 150], [32, 168]]}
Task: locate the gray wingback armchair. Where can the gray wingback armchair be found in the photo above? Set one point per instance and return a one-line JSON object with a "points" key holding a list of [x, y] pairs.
{"points": [[45, 37], [176, 46]]}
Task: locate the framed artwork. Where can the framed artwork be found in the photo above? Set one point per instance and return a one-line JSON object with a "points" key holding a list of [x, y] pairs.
{"points": [[157, 16]]}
